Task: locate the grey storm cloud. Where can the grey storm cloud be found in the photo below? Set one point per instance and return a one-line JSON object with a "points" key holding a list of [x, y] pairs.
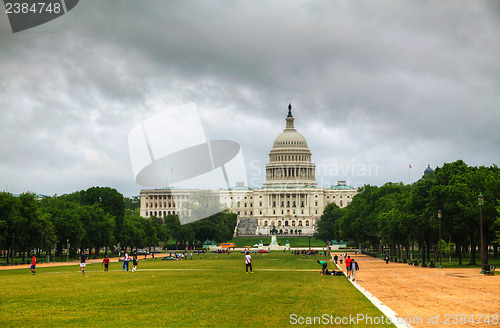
{"points": [[382, 83]]}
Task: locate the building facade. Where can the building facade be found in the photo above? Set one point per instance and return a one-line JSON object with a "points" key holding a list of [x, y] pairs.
{"points": [[289, 199]]}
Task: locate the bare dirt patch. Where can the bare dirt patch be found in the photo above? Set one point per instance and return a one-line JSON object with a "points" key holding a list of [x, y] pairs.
{"points": [[422, 292]]}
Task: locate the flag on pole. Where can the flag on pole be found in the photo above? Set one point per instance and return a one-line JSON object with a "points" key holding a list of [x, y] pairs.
{"points": [[409, 166]]}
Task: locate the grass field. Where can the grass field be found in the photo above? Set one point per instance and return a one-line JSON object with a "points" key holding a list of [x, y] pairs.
{"points": [[211, 291]]}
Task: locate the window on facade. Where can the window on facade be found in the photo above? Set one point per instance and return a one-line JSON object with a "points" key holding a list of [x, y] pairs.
{"points": [[274, 204], [282, 204], [307, 223], [300, 223], [293, 223], [279, 223], [265, 223], [315, 203]]}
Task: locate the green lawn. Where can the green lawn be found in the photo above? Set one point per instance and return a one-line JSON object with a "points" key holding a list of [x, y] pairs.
{"points": [[203, 292]]}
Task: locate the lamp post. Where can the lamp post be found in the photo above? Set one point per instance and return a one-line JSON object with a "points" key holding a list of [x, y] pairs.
{"points": [[484, 261], [309, 241], [440, 215], [67, 253]]}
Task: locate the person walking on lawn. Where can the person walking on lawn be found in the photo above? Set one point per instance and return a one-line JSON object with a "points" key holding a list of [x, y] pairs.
{"points": [[248, 262], [105, 262], [83, 260], [33, 265]]}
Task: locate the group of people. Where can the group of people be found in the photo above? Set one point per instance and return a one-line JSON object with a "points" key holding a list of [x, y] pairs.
{"points": [[126, 260], [351, 267], [105, 262], [350, 264], [182, 256], [309, 252]]}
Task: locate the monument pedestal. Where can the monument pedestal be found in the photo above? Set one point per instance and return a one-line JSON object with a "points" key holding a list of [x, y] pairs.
{"points": [[274, 243]]}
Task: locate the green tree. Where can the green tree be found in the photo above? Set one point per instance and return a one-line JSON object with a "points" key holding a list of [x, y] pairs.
{"points": [[328, 225], [65, 217], [10, 220]]}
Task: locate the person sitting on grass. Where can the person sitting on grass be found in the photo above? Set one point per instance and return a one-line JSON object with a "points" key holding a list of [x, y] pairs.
{"points": [[324, 265]]}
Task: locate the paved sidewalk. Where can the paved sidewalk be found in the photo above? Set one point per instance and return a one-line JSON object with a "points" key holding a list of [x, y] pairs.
{"points": [[432, 297]]}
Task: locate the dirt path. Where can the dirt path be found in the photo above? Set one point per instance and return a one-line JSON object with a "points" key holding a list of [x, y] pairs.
{"points": [[415, 292], [50, 264]]}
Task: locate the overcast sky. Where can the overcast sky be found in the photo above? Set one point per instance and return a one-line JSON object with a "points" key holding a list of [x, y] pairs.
{"points": [[374, 85]]}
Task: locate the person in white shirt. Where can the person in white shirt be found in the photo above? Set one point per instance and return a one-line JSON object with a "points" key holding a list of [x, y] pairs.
{"points": [[125, 261], [248, 262]]}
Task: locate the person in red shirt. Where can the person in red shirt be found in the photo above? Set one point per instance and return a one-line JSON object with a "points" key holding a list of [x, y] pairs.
{"points": [[105, 262], [348, 261], [33, 265]]}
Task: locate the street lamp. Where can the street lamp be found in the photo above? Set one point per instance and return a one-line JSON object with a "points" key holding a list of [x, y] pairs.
{"points": [[440, 215], [484, 261]]}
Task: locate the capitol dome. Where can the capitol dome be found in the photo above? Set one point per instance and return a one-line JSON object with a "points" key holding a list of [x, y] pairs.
{"points": [[290, 138], [290, 159]]}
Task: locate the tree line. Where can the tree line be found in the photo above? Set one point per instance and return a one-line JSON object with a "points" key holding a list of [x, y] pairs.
{"points": [[402, 217], [93, 219]]}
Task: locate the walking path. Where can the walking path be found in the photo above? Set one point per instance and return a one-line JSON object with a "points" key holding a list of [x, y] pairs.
{"points": [[51, 264], [432, 297]]}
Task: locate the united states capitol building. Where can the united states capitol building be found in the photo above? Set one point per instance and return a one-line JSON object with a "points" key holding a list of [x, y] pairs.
{"points": [[290, 199]]}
